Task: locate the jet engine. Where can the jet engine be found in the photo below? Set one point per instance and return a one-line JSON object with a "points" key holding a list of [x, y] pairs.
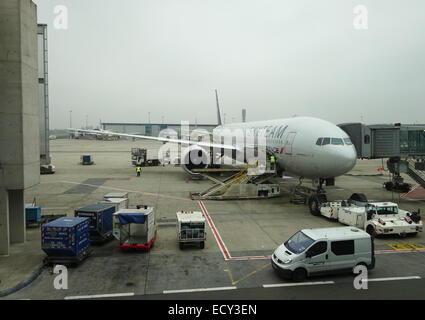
{"points": [[195, 157]]}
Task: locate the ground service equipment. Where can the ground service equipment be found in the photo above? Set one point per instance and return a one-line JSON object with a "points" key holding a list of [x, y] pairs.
{"points": [[66, 240], [116, 195], [191, 228], [32, 215], [119, 203], [135, 228], [374, 217], [100, 220], [139, 157], [86, 159]]}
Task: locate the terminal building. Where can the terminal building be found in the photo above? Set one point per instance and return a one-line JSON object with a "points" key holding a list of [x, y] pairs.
{"points": [[152, 129]]}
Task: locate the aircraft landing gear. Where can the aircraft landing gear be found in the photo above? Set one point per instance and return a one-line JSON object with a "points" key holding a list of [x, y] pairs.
{"points": [[310, 196], [314, 203], [315, 200]]}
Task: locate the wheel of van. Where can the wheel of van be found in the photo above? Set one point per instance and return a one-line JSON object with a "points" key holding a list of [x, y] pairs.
{"points": [[371, 231], [299, 275], [314, 205]]}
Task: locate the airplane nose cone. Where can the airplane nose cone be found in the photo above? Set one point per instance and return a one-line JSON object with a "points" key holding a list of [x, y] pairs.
{"points": [[345, 159]]}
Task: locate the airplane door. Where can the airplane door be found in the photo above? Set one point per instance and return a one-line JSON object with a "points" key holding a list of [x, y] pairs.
{"points": [[288, 142]]}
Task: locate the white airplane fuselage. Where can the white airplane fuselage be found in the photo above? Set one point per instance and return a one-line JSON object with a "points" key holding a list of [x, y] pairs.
{"points": [[294, 143]]}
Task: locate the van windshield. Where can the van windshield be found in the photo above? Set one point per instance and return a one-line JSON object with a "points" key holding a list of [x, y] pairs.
{"points": [[298, 243]]}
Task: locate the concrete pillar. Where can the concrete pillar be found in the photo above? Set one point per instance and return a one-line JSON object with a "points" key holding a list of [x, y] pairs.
{"points": [[4, 222], [17, 216], [19, 115]]}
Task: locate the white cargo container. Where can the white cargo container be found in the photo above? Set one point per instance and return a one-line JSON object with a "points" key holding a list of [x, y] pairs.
{"points": [[191, 228], [135, 228], [120, 203], [116, 195]]}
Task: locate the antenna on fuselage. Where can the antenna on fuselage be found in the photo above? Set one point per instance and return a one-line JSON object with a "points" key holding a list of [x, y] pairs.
{"points": [[218, 109]]}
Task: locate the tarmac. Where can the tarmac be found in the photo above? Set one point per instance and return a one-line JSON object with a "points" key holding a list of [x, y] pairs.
{"points": [[242, 234]]}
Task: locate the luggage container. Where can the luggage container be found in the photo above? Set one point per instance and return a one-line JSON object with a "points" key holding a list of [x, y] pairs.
{"points": [[66, 240], [100, 220], [119, 203], [191, 228], [116, 195], [86, 159], [33, 215], [135, 228]]}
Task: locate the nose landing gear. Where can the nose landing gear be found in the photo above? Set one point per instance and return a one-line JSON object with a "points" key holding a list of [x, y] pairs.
{"points": [[310, 196]]}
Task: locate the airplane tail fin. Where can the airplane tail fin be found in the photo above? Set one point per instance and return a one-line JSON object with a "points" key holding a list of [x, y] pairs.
{"points": [[218, 110]]}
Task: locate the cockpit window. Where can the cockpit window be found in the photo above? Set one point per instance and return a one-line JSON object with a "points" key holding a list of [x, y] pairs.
{"points": [[348, 141], [326, 141], [337, 141], [319, 141]]}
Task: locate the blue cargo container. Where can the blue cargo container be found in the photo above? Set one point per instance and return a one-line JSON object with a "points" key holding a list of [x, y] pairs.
{"points": [[33, 214], [86, 159], [100, 218], [65, 237]]}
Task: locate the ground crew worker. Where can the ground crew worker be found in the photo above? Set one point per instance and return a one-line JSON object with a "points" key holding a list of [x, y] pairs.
{"points": [[272, 161], [138, 169]]}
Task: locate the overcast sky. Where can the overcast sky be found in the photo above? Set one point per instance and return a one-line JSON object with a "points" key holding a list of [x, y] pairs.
{"points": [[119, 60]]}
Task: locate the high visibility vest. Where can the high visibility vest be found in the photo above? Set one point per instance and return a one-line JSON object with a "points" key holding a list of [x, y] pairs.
{"points": [[138, 169], [272, 159]]}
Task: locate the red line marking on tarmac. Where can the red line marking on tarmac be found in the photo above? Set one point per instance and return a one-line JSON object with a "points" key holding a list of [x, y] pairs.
{"points": [[216, 234], [417, 193], [400, 251]]}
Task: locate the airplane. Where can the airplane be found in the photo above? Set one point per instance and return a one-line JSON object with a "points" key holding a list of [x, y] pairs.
{"points": [[304, 147]]}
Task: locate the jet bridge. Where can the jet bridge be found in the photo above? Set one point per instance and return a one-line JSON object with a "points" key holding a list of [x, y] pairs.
{"points": [[402, 144]]}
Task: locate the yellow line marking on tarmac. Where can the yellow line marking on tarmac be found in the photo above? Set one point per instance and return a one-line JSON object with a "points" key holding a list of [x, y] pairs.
{"points": [[406, 246], [247, 275], [416, 246], [229, 273]]}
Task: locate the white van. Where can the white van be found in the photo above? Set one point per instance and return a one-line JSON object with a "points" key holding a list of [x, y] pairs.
{"points": [[324, 250]]}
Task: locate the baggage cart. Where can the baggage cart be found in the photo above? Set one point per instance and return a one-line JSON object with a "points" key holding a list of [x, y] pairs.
{"points": [[135, 229], [100, 221], [66, 240], [191, 228]]}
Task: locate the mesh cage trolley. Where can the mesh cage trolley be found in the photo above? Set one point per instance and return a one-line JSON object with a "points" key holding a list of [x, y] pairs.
{"points": [[191, 228]]}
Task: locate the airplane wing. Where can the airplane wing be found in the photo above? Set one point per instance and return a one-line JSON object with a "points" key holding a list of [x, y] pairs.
{"points": [[204, 144]]}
